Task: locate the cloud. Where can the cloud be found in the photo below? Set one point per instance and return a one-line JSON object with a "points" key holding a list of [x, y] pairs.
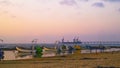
{"points": [[98, 4], [119, 9], [84, 0], [68, 2], [5, 2], [111, 0]]}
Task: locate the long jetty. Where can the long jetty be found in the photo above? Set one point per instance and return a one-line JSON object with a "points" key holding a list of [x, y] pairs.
{"points": [[102, 42]]}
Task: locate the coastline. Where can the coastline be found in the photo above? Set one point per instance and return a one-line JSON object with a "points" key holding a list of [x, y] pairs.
{"points": [[77, 60]]}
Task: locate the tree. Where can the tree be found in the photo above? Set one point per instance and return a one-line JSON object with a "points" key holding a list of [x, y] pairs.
{"points": [[39, 51]]}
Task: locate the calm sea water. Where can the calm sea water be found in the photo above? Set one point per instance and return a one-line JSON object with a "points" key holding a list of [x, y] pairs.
{"points": [[11, 55], [14, 55], [28, 46]]}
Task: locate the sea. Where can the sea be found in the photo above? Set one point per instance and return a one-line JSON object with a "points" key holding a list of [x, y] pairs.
{"points": [[51, 45]]}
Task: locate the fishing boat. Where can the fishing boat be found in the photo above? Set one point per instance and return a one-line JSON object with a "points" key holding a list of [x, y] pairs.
{"points": [[24, 50], [45, 49]]}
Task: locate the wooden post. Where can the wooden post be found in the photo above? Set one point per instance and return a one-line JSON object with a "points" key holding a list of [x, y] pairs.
{"points": [[96, 50]]}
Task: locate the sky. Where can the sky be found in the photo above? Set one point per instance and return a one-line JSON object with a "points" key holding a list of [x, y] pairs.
{"points": [[21, 21]]}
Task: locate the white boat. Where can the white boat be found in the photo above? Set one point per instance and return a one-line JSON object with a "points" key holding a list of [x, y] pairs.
{"points": [[24, 50], [30, 51]]}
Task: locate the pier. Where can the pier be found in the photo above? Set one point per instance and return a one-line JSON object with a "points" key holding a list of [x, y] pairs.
{"points": [[76, 41], [101, 43]]}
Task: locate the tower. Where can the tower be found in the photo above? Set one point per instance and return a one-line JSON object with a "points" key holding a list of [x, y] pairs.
{"points": [[74, 39]]}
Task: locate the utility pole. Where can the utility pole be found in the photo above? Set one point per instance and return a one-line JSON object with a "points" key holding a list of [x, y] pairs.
{"points": [[1, 42], [34, 41]]}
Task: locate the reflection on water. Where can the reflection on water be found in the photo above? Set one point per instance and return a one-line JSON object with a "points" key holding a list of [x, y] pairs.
{"points": [[9, 55], [106, 50], [14, 55]]}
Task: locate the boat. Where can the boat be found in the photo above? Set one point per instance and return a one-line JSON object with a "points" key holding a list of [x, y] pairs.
{"points": [[45, 49], [24, 50]]}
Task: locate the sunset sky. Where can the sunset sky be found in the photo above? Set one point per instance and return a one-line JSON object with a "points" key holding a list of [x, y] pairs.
{"points": [[21, 21]]}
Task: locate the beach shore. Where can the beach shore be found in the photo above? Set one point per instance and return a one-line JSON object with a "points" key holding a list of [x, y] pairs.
{"points": [[76, 60]]}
